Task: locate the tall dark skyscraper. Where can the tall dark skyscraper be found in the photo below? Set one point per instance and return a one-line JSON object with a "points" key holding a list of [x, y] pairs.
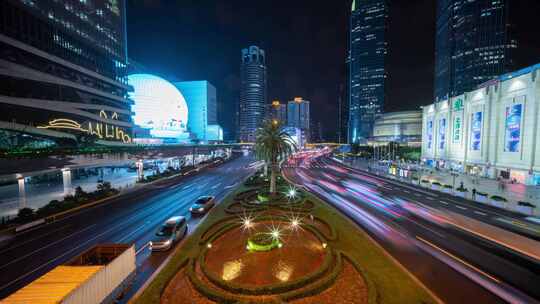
{"points": [[367, 73], [63, 70], [474, 43], [252, 92]]}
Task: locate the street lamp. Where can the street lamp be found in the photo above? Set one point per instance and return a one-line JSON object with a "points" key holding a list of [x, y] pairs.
{"points": [[454, 175]]}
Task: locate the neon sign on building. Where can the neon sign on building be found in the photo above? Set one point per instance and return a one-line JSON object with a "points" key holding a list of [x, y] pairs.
{"points": [[98, 129]]}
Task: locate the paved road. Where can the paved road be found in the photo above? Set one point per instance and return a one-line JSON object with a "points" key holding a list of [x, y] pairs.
{"points": [[132, 218], [457, 266]]}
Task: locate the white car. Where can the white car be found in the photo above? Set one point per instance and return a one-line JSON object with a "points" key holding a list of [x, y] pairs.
{"points": [[173, 230], [202, 205]]}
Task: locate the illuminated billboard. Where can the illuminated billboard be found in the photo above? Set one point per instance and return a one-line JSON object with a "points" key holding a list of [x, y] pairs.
{"points": [[159, 106], [442, 133], [513, 128], [430, 133], [476, 131]]}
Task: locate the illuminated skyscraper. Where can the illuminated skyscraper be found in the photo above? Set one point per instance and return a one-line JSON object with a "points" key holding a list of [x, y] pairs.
{"points": [[298, 116], [64, 69], [474, 44], [279, 112], [367, 71], [252, 92]]}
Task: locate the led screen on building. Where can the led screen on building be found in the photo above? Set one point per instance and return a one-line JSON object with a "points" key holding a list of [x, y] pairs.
{"points": [[513, 128], [158, 106], [442, 133], [430, 133], [476, 131]]}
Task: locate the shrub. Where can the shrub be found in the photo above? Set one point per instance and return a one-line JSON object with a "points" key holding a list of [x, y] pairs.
{"points": [[448, 186], [498, 198], [436, 184], [481, 193], [25, 215], [425, 181], [526, 204], [462, 189]]}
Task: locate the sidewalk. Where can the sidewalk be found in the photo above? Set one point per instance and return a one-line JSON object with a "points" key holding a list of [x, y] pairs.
{"points": [[512, 192]]}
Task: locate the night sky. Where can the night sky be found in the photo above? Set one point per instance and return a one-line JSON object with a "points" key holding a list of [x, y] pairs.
{"points": [[305, 42]]}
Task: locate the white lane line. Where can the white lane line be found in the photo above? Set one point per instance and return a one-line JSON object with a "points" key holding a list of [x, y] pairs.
{"points": [[427, 228], [460, 207], [142, 248], [131, 233], [185, 187], [457, 259], [216, 185], [16, 245], [44, 247], [480, 213], [58, 257], [443, 202], [418, 195], [430, 198], [406, 191], [231, 186]]}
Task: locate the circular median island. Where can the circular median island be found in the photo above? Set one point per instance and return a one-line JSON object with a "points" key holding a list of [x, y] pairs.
{"points": [[266, 259], [287, 249]]}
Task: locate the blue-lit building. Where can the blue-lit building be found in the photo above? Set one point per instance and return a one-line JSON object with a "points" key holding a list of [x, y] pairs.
{"points": [[64, 71], [201, 99], [367, 70], [474, 43]]}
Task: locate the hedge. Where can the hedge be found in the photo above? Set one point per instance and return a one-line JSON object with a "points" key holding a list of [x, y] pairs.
{"points": [[498, 198]]}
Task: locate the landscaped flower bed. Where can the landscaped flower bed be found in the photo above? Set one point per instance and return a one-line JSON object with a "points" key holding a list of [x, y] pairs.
{"points": [[498, 201]]}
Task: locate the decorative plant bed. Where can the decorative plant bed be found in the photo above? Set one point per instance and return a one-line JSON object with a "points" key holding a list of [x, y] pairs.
{"points": [[262, 242], [498, 201]]}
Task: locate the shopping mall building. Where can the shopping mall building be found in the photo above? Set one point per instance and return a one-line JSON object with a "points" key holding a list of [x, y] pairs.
{"points": [[493, 131]]}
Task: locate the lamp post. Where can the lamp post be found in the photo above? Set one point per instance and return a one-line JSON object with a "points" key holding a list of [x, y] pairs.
{"points": [[454, 175]]}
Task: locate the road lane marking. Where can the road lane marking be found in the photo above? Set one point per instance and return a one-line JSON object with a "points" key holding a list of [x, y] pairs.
{"points": [[460, 207], [16, 245], [480, 213], [429, 229], [418, 195], [131, 233], [142, 248], [44, 247], [443, 202], [216, 185], [406, 191], [457, 259]]}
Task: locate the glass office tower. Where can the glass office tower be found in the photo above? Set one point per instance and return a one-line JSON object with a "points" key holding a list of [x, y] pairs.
{"points": [[474, 43], [367, 71], [253, 103], [63, 70]]}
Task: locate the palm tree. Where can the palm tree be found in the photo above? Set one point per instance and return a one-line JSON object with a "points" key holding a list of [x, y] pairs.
{"points": [[273, 145]]}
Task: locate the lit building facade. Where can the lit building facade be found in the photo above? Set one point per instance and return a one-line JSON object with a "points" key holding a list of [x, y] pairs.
{"points": [[474, 43], [367, 71], [298, 115], [201, 98], [279, 112], [403, 127], [253, 93], [63, 70], [492, 131], [159, 107]]}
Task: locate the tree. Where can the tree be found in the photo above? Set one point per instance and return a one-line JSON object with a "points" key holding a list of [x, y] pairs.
{"points": [[273, 145]]}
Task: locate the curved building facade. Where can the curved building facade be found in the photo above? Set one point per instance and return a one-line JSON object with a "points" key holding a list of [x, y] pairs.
{"points": [[159, 106], [252, 92], [402, 127]]}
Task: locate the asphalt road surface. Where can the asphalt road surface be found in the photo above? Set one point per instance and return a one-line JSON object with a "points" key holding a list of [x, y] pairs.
{"points": [[132, 218], [459, 267]]}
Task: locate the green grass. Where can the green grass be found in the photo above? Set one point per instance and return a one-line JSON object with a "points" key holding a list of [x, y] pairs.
{"points": [[391, 283]]}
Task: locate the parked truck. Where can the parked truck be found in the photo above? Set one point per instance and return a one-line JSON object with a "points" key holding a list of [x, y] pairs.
{"points": [[98, 275]]}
